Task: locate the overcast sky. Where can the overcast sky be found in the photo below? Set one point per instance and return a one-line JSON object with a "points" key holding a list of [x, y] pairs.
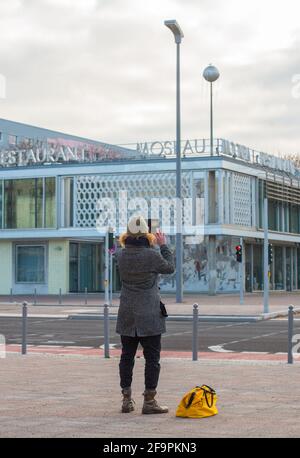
{"points": [[105, 69]]}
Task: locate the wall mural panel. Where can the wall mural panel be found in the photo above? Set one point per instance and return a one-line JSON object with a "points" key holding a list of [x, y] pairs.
{"points": [[195, 269]]}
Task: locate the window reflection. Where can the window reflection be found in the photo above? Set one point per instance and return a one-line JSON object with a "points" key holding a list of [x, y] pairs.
{"points": [[30, 264], [278, 268], [29, 203]]}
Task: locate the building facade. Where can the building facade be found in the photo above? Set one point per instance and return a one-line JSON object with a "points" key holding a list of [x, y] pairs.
{"points": [[54, 188]]}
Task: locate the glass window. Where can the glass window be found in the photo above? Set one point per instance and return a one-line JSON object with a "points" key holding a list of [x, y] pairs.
{"points": [[212, 197], [68, 200], [294, 219], [248, 268], [257, 267], [294, 256], [12, 139], [280, 223], [298, 268], [260, 203], [28, 141], [38, 196], [288, 269], [23, 203], [30, 264], [272, 215], [85, 267], [50, 202], [224, 198], [286, 218], [1, 204], [278, 267], [73, 271]]}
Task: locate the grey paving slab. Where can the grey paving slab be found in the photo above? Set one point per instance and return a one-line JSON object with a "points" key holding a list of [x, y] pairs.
{"points": [[72, 396]]}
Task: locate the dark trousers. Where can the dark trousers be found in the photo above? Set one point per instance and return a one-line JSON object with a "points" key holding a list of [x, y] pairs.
{"points": [[151, 350]]}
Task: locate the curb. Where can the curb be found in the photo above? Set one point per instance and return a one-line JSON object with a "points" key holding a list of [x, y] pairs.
{"points": [[279, 314], [187, 318], [202, 318], [177, 317]]}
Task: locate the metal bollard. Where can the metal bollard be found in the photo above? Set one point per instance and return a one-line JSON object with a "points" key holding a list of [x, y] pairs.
{"points": [[85, 296], [195, 332], [24, 328], [34, 301], [11, 296], [59, 297], [106, 331], [290, 334]]}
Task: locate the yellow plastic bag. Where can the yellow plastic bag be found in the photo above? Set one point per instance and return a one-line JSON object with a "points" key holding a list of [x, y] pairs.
{"points": [[200, 402]]}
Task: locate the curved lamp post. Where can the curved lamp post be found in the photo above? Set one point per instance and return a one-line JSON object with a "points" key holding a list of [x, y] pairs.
{"points": [[178, 35], [211, 74]]}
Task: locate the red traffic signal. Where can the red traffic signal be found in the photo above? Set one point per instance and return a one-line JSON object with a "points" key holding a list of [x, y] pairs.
{"points": [[238, 253]]}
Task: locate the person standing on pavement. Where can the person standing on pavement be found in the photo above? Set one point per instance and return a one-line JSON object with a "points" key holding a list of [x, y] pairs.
{"points": [[139, 317]]}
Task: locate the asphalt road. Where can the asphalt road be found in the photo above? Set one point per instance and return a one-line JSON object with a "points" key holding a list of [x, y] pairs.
{"points": [[264, 336]]}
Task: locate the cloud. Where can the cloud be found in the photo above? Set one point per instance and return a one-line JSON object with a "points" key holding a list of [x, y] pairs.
{"points": [[105, 69]]}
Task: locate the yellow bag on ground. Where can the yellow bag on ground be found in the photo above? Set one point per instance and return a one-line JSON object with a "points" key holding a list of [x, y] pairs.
{"points": [[200, 402]]}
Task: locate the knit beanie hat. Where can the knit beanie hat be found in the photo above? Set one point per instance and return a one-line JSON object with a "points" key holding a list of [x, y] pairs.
{"points": [[137, 226]]}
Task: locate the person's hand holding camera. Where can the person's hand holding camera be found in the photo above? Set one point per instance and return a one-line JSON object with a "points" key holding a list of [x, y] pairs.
{"points": [[160, 238]]}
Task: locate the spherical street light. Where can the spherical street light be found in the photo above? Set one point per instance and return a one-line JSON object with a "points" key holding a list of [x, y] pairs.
{"points": [[211, 74]]}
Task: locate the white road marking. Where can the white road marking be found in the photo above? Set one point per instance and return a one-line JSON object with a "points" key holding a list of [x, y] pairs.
{"points": [[61, 342], [57, 346], [111, 345], [219, 349], [284, 319]]}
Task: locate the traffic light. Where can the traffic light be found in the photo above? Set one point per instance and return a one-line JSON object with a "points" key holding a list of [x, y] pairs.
{"points": [[238, 253], [270, 253], [111, 240]]}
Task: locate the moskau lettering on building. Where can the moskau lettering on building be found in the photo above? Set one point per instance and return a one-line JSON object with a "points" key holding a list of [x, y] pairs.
{"points": [[168, 148], [221, 147]]}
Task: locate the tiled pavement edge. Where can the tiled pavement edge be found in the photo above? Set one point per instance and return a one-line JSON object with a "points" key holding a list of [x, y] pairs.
{"points": [[114, 353]]}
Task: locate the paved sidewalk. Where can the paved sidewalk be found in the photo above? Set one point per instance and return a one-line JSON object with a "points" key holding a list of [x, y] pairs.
{"points": [[208, 305], [78, 396]]}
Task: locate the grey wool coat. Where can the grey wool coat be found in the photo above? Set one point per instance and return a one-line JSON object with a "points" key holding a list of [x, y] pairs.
{"points": [[139, 311]]}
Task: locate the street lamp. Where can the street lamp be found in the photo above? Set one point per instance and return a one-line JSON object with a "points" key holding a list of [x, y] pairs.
{"points": [[178, 35], [211, 74]]}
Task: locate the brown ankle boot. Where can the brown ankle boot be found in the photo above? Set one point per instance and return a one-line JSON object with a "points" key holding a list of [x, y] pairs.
{"points": [[128, 402], [150, 404]]}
